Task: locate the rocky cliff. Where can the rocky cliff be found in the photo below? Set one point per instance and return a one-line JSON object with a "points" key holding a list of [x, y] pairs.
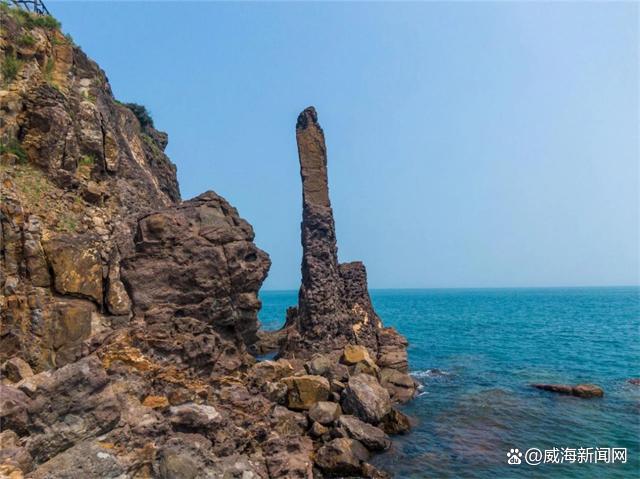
{"points": [[127, 315]]}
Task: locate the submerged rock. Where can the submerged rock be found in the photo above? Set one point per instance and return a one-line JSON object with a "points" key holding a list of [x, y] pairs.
{"points": [[581, 390]]}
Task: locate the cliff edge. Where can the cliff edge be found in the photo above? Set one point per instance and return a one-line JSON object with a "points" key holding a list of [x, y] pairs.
{"points": [[128, 315]]}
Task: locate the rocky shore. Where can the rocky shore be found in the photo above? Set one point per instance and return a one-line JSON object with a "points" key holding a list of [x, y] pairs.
{"points": [[129, 318]]}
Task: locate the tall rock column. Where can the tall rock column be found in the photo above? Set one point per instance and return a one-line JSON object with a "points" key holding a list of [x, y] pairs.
{"points": [[319, 297]]}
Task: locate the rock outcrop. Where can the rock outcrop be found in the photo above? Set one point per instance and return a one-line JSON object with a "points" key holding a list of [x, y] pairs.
{"points": [[127, 315], [581, 390]]}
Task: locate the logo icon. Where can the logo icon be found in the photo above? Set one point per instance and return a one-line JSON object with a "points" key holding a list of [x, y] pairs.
{"points": [[514, 456]]}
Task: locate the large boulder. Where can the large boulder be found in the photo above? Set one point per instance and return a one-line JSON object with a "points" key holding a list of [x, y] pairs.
{"points": [[401, 386], [304, 391], [342, 457], [325, 412], [370, 436], [365, 398], [289, 457]]}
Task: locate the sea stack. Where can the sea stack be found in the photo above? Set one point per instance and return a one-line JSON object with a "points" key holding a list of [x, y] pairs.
{"points": [[334, 307]]}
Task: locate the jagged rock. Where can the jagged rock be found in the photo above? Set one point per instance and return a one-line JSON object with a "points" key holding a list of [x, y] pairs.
{"points": [[87, 459], [365, 398], [395, 422], [289, 457], [318, 430], [12, 454], [354, 353], [371, 472], [342, 456], [401, 386], [287, 422], [581, 390], [392, 352], [305, 391], [76, 266], [194, 415], [16, 369], [210, 269], [370, 436], [325, 412], [14, 405]]}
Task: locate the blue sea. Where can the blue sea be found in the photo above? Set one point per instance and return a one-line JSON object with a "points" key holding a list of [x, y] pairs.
{"points": [[476, 351]]}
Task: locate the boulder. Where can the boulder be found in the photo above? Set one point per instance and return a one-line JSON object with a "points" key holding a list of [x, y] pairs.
{"points": [[396, 422], [341, 456], [14, 405], [370, 436], [304, 391], [581, 390], [16, 369], [354, 353], [325, 412], [402, 388], [193, 415], [289, 457], [365, 398]]}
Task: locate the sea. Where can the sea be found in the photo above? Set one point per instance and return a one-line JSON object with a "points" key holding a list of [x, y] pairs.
{"points": [[476, 352]]}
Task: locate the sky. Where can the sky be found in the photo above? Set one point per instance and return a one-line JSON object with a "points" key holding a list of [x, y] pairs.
{"points": [[469, 144]]}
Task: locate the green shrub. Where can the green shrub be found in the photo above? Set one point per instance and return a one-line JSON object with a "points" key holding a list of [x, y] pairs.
{"points": [[26, 40], [14, 147], [48, 70], [87, 160], [141, 113], [10, 67]]}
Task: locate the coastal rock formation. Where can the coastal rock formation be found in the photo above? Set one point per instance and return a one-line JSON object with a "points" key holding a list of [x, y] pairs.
{"points": [[334, 307], [128, 315], [581, 390]]}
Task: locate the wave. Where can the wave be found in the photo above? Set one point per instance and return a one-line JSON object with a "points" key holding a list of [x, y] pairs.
{"points": [[429, 373]]}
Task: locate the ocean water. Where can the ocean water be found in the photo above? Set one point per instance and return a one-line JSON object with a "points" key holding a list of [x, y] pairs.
{"points": [[476, 352]]}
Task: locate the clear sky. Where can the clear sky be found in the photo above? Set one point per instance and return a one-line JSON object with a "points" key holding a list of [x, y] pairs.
{"points": [[470, 144]]}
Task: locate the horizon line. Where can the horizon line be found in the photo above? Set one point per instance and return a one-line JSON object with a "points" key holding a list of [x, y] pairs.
{"points": [[280, 290]]}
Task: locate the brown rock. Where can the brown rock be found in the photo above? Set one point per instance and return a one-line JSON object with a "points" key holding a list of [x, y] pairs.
{"points": [[156, 402], [289, 457], [370, 436], [402, 388], [581, 390], [342, 456], [305, 391], [325, 412], [16, 369], [365, 398], [76, 265], [395, 422], [353, 354]]}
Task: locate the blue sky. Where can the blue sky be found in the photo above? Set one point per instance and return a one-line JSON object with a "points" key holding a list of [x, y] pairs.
{"points": [[470, 144]]}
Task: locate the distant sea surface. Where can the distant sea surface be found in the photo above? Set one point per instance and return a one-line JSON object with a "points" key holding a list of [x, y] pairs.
{"points": [[475, 353]]}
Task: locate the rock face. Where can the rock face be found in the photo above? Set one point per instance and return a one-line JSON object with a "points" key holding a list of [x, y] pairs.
{"points": [[127, 315]]}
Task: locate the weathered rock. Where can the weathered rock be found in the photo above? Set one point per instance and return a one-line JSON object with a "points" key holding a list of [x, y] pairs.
{"points": [[395, 422], [370, 436], [334, 306], [14, 405], [16, 369], [194, 415], [353, 354], [289, 457], [76, 266], [12, 454], [371, 472], [70, 404], [210, 269], [86, 459], [401, 386], [325, 412], [365, 398], [581, 390], [342, 456], [305, 391], [634, 381]]}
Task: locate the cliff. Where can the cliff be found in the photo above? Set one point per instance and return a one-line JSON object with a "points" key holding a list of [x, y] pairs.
{"points": [[127, 315]]}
